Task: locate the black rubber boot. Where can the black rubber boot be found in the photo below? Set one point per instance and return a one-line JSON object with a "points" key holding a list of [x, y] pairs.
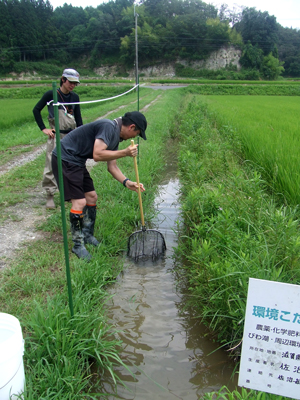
{"points": [[77, 237], [89, 219]]}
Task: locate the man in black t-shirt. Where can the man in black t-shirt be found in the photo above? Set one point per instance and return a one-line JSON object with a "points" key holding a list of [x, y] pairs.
{"points": [[98, 140], [69, 119]]}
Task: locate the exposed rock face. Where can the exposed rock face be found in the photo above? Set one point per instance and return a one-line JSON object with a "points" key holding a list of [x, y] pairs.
{"points": [[107, 71], [217, 59], [221, 59]]}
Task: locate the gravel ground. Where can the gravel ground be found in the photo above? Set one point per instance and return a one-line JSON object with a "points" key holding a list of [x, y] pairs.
{"points": [[22, 159], [19, 228]]}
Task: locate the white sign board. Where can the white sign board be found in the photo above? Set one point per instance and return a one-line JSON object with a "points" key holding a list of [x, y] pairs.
{"points": [[270, 360]]}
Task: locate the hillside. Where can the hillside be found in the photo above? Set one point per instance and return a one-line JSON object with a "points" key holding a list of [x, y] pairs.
{"points": [[36, 38]]}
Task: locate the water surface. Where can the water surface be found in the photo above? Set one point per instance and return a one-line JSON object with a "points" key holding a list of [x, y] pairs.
{"points": [[169, 351]]}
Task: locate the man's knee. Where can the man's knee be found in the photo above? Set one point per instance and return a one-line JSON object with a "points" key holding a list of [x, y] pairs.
{"points": [[78, 204], [91, 197]]}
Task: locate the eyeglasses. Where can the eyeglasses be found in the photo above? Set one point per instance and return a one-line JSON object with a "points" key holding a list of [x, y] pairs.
{"points": [[73, 83]]}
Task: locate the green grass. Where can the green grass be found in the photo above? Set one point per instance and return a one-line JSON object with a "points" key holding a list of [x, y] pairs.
{"points": [[243, 394], [16, 112], [15, 185], [233, 228], [88, 91], [59, 350], [17, 104], [245, 90], [49, 82], [269, 133], [224, 82]]}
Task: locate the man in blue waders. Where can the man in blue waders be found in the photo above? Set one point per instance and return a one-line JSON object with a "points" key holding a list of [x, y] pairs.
{"points": [[98, 140]]}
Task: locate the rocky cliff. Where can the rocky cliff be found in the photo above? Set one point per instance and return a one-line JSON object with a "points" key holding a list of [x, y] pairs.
{"points": [[217, 60]]}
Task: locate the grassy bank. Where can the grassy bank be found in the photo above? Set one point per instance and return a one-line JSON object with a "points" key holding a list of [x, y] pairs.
{"points": [[225, 82], [247, 89], [233, 227], [59, 350]]}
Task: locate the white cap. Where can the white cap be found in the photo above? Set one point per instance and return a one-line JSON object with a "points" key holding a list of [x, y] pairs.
{"points": [[71, 74]]}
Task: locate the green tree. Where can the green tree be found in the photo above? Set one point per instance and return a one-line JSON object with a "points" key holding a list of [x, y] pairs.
{"points": [[127, 21], [289, 50], [252, 56], [218, 32], [6, 60], [259, 28], [235, 38], [292, 66], [148, 45], [6, 25], [107, 39], [25, 34], [190, 37], [25, 24], [67, 16], [271, 67]]}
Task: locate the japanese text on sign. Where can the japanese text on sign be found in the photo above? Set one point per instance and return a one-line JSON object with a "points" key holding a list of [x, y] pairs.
{"points": [[270, 358]]}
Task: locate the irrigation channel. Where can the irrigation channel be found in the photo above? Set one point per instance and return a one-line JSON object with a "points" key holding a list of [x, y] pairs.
{"points": [[169, 351]]}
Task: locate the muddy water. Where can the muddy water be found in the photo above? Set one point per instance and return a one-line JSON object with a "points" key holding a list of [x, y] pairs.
{"points": [[167, 349]]}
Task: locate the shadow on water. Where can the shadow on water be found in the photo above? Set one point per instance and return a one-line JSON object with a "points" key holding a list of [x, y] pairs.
{"points": [[168, 350]]}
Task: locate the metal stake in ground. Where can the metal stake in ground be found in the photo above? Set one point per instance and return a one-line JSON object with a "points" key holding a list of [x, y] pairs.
{"points": [[62, 199], [146, 243]]}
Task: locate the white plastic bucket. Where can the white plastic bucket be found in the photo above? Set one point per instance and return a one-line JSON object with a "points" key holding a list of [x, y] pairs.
{"points": [[12, 377]]}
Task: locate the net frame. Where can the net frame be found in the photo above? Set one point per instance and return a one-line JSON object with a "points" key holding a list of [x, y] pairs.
{"points": [[146, 244]]}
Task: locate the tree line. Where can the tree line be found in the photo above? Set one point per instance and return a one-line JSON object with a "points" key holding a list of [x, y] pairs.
{"points": [[30, 30]]}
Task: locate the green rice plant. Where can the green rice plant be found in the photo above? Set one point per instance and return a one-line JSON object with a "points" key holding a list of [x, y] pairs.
{"points": [[233, 229], [17, 104], [20, 136], [227, 82], [85, 80], [246, 89], [16, 112], [87, 91], [268, 130]]}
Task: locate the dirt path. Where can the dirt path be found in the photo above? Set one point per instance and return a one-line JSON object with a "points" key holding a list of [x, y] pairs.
{"points": [[19, 228]]}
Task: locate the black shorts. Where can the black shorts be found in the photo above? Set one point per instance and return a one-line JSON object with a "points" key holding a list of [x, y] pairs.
{"points": [[77, 180]]}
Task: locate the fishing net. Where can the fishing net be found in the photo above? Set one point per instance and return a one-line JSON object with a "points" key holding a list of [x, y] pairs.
{"points": [[146, 244]]}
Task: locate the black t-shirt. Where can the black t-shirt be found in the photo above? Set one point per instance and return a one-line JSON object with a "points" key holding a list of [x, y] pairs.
{"points": [[78, 145], [73, 109]]}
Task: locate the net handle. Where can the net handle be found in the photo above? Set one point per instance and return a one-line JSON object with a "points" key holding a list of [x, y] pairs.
{"points": [[139, 189]]}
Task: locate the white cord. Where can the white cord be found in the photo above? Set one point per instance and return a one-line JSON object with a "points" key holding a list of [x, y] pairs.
{"points": [[93, 101]]}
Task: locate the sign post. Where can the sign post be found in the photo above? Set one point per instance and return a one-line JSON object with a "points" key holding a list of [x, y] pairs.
{"points": [[270, 360]]}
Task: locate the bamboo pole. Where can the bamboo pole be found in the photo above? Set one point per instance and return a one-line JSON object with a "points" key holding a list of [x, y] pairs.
{"points": [[137, 70]]}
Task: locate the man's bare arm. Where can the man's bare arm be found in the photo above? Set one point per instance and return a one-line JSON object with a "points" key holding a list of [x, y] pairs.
{"points": [[114, 170], [100, 152]]}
